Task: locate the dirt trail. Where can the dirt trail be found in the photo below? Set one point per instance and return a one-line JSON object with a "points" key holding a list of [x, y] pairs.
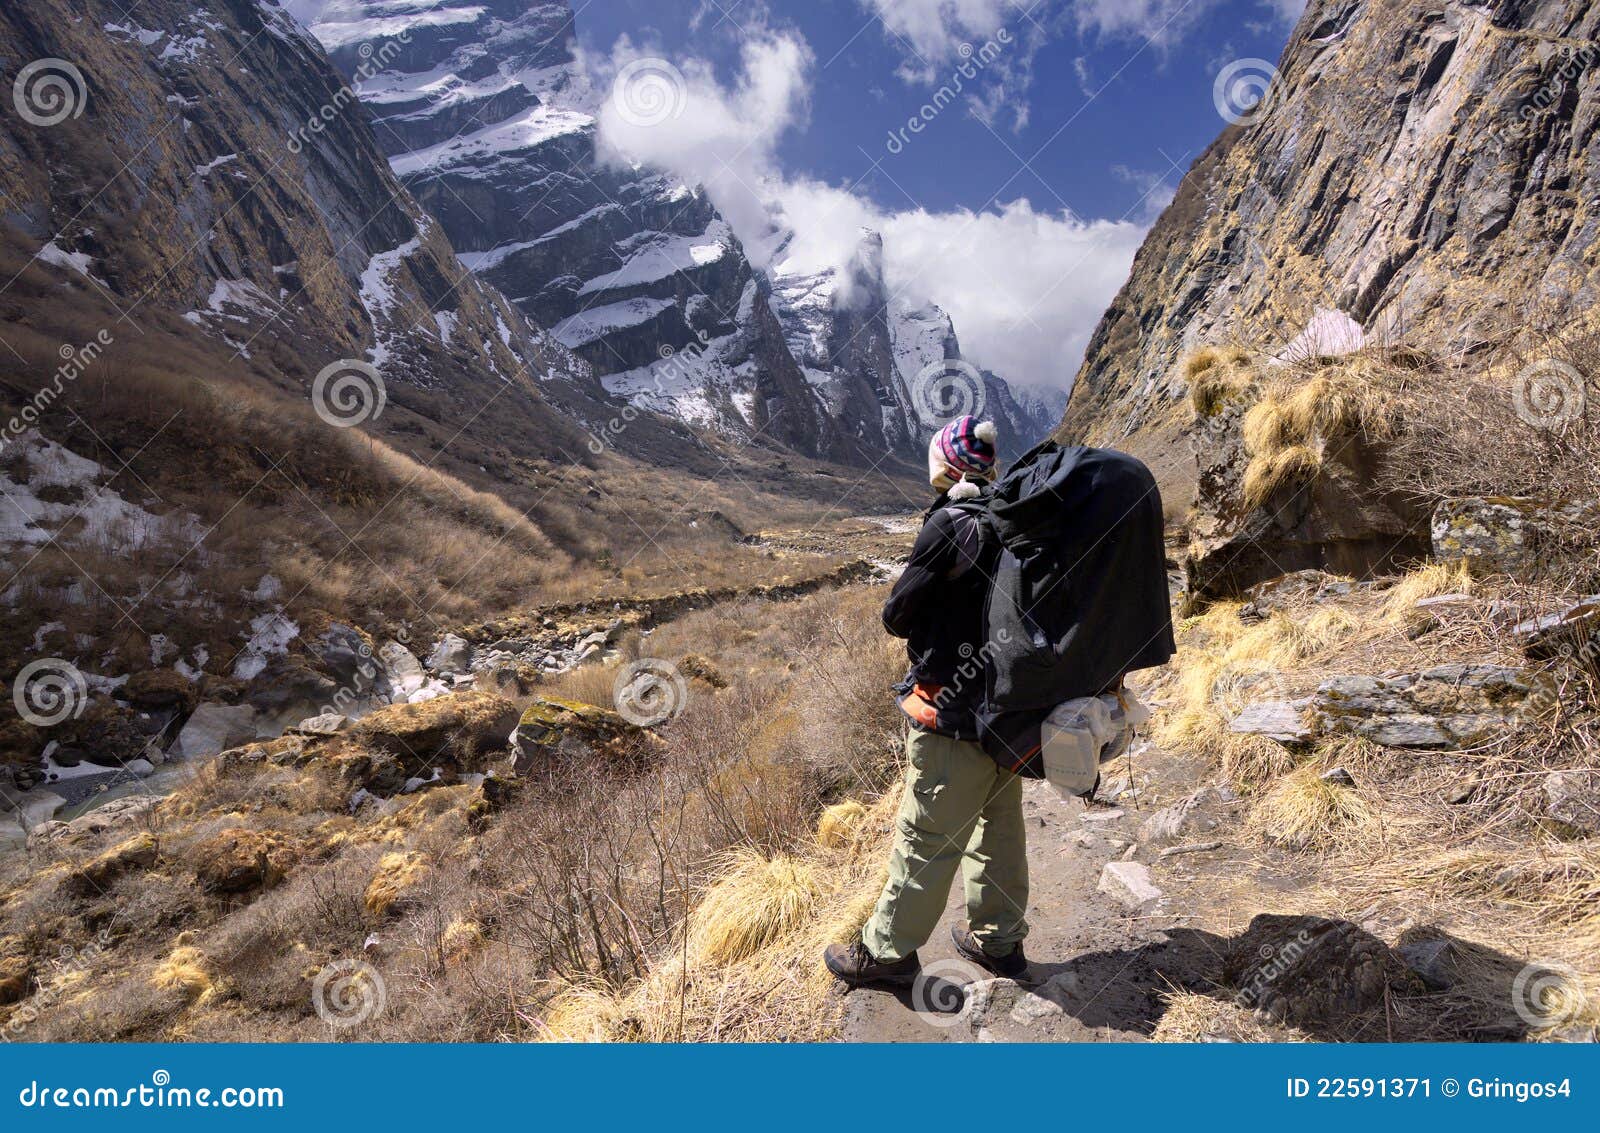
{"points": [[1096, 967]]}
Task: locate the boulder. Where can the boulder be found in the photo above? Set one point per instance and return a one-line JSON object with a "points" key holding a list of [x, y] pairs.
{"points": [[214, 728], [402, 670], [1282, 720], [1490, 534], [108, 735], [99, 874], [242, 861], [552, 730], [1433, 961], [1309, 970], [1335, 524], [454, 731], [453, 654], [1448, 706], [1129, 884], [323, 724], [155, 689], [1572, 798], [107, 816]]}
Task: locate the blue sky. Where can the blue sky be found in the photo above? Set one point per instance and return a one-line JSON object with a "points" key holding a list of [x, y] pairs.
{"points": [[1114, 101]]}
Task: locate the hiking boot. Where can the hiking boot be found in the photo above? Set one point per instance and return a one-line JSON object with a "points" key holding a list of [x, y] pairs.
{"points": [[1013, 965], [857, 967]]}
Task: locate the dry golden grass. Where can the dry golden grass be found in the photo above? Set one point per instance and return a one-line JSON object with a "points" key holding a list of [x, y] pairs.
{"points": [[840, 824], [1189, 1017], [1294, 430], [1294, 468], [184, 970], [1304, 811], [398, 874], [1219, 377], [716, 984], [754, 902], [1427, 581]]}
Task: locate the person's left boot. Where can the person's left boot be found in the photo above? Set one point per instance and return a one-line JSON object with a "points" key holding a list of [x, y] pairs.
{"points": [[858, 967], [1013, 965]]}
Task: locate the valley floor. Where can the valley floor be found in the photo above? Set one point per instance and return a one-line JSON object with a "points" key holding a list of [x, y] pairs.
{"points": [[1219, 888]]}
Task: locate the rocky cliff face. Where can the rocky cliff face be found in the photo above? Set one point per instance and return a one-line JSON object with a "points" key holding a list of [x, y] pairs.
{"points": [[487, 120], [1422, 171], [215, 170]]}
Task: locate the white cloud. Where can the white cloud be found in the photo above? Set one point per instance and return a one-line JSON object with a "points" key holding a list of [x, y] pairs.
{"points": [[934, 30], [937, 39], [716, 137], [1024, 287]]}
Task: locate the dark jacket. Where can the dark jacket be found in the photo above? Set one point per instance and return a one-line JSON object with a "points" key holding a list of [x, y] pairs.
{"points": [[938, 607]]}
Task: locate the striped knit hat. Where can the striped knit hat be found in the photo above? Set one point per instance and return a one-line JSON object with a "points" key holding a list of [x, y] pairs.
{"points": [[962, 449]]}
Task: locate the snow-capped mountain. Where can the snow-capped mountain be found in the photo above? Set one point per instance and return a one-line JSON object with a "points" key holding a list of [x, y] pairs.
{"points": [[488, 121]]}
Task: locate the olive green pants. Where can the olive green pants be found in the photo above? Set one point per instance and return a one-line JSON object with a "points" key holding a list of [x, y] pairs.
{"points": [[959, 807]]}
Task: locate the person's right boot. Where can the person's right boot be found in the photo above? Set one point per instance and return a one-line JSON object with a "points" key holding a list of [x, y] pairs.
{"points": [[856, 966]]}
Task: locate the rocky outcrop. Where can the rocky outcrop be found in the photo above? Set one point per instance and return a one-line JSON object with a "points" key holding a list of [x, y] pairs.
{"points": [[1420, 165], [1285, 481], [553, 733], [1451, 706], [1515, 535]]}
